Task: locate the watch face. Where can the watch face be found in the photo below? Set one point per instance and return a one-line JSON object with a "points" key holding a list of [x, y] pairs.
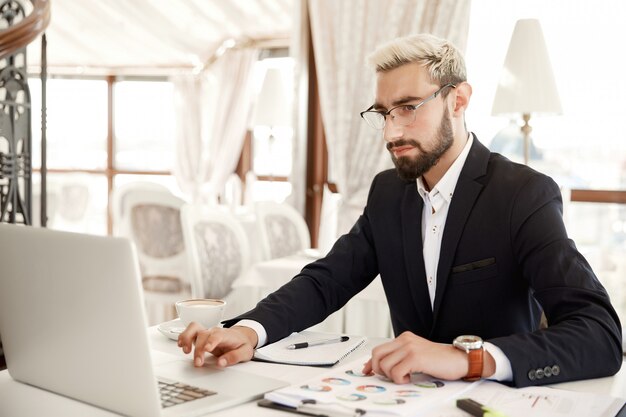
{"points": [[468, 342]]}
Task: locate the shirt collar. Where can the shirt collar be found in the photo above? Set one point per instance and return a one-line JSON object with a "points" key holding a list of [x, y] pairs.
{"points": [[447, 183]]}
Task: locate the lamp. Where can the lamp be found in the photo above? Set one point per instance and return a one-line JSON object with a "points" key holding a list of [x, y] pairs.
{"points": [[527, 83], [273, 106]]}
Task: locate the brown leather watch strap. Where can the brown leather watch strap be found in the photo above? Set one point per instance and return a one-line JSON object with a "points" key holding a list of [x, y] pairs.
{"points": [[475, 365]]}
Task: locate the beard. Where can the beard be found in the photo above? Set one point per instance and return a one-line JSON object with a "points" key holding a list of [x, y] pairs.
{"points": [[411, 168]]}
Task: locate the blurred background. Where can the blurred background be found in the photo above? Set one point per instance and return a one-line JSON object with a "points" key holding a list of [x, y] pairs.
{"points": [[228, 104]]}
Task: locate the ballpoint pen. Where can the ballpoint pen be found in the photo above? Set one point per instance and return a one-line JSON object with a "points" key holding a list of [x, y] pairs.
{"points": [[477, 409], [318, 342], [321, 410]]}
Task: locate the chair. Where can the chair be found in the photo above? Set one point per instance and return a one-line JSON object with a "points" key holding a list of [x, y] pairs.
{"points": [[118, 194], [282, 229], [68, 203], [329, 220], [217, 250], [151, 219], [232, 193]]}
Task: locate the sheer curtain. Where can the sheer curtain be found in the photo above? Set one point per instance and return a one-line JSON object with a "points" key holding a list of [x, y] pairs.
{"points": [[211, 118], [344, 34]]}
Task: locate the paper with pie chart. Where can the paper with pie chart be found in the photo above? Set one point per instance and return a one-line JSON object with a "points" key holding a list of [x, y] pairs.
{"points": [[347, 388]]}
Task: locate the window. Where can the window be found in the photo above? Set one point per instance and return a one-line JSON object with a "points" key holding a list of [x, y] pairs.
{"points": [[272, 139], [77, 123], [80, 170], [144, 125], [585, 148]]}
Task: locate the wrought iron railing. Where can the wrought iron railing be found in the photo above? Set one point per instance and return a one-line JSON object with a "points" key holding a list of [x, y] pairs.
{"points": [[19, 29]]}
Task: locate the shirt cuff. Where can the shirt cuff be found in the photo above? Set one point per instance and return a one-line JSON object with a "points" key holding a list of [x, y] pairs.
{"points": [[258, 328], [503, 372]]}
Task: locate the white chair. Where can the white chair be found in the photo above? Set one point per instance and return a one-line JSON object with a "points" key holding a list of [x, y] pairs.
{"points": [[231, 196], [69, 208], [151, 219], [118, 194], [282, 229], [217, 250], [328, 231]]}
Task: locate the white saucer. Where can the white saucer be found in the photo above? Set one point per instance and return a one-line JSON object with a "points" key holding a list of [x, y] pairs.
{"points": [[171, 329]]}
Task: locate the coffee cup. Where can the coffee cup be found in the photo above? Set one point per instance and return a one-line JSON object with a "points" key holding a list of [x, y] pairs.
{"points": [[205, 311]]}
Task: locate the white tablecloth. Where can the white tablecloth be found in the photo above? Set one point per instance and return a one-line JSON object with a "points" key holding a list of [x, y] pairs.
{"points": [[366, 314]]}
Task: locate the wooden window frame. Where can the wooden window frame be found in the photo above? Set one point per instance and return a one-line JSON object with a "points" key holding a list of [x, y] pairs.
{"points": [[109, 172]]}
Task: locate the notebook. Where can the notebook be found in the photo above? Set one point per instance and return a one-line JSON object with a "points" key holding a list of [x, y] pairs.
{"points": [[72, 322], [320, 355]]}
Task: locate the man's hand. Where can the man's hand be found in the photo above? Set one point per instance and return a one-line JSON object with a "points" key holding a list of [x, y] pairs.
{"points": [[409, 353], [230, 346]]}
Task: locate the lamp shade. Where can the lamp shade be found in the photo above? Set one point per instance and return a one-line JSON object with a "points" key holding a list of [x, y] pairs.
{"points": [[273, 105], [527, 82]]}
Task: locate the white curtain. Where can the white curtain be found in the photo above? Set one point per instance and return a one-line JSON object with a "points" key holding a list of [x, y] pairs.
{"points": [[211, 120], [344, 34]]}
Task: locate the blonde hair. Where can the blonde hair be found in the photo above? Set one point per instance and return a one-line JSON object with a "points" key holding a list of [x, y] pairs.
{"points": [[441, 58]]}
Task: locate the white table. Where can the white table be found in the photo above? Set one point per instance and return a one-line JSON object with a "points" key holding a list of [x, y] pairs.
{"points": [[366, 314], [20, 400]]}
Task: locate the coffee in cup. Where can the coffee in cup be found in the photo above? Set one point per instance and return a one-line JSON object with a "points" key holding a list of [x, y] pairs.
{"points": [[205, 311]]}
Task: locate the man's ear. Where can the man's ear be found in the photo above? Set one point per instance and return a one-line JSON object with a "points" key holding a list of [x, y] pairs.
{"points": [[463, 93]]}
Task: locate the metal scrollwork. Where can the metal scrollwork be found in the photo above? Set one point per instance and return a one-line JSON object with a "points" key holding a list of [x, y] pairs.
{"points": [[15, 128]]}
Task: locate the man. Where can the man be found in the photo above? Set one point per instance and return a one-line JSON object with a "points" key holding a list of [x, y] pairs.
{"points": [[465, 241]]}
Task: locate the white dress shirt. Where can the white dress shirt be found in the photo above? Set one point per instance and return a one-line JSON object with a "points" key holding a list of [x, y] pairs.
{"points": [[434, 214]]}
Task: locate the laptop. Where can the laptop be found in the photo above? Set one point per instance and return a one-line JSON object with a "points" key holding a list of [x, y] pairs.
{"points": [[72, 322]]}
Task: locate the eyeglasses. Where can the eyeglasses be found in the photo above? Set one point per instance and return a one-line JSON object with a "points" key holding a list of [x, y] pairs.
{"points": [[402, 115]]}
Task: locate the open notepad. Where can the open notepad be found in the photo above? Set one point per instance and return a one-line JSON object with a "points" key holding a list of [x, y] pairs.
{"points": [[321, 355]]}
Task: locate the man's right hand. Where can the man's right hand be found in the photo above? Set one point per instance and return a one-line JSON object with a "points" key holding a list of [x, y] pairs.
{"points": [[230, 346]]}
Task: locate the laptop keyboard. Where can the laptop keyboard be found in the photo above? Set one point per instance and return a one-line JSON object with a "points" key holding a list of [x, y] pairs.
{"points": [[174, 393]]}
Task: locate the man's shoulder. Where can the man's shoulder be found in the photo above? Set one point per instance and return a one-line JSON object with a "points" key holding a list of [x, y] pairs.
{"points": [[501, 171]]}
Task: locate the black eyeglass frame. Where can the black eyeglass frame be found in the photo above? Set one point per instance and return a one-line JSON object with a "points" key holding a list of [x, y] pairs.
{"points": [[414, 107]]}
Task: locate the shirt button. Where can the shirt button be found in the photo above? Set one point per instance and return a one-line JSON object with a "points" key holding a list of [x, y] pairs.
{"points": [[547, 372], [531, 374], [556, 370], [539, 373]]}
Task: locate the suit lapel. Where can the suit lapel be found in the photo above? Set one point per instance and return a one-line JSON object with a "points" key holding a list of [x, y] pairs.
{"points": [[463, 200], [411, 213]]}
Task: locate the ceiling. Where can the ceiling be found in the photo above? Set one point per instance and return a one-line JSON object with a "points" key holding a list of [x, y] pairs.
{"points": [[153, 36]]}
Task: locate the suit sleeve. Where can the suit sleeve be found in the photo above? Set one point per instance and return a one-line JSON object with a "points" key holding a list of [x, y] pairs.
{"points": [[583, 338], [322, 287]]}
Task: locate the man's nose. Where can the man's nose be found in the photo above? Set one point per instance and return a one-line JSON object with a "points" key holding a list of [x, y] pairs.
{"points": [[392, 132]]}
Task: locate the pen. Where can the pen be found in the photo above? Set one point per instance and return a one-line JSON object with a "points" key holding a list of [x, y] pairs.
{"points": [[477, 409], [317, 343], [328, 412], [314, 408]]}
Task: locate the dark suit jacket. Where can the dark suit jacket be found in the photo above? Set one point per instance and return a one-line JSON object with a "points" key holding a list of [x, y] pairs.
{"points": [[505, 256]]}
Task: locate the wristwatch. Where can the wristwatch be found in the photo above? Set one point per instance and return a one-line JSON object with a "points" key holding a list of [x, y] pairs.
{"points": [[473, 346]]}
